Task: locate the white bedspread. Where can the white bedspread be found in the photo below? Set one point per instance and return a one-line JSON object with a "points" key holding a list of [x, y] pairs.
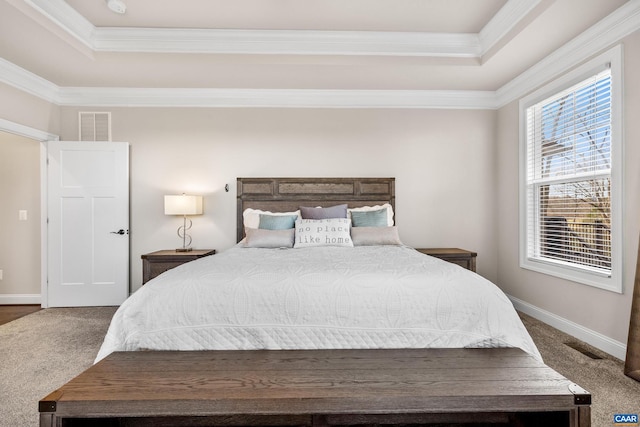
{"points": [[316, 298]]}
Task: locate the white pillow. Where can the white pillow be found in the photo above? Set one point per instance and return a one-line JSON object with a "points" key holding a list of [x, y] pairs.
{"points": [[323, 232], [375, 208], [251, 217]]}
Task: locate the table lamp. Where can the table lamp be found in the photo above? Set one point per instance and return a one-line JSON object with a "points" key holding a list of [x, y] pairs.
{"points": [[183, 205]]}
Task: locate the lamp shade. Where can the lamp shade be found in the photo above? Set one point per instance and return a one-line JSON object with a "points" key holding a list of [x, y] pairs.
{"points": [[183, 205]]}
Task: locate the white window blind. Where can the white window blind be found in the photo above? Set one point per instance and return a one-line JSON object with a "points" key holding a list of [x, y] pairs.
{"points": [[568, 177]]}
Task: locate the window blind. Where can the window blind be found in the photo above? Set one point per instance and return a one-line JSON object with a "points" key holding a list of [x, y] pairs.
{"points": [[568, 176]]}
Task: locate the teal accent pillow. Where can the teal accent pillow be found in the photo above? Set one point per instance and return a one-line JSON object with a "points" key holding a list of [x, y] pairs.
{"points": [[277, 222], [377, 218]]}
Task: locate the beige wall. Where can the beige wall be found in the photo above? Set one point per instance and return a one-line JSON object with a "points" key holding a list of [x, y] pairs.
{"points": [[28, 110], [601, 311], [444, 170], [20, 240], [20, 247]]}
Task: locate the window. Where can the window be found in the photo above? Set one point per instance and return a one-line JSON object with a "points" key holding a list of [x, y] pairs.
{"points": [[570, 202]]}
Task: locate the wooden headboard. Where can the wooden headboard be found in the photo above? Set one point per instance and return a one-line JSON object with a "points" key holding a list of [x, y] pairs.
{"points": [[288, 194]]}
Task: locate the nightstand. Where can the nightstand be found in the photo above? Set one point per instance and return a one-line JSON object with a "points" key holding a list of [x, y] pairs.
{"points": [[462, 257], [156, 263]]}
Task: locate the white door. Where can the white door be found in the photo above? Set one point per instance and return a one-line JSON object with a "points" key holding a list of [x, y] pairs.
{"points": [[88, 223]]}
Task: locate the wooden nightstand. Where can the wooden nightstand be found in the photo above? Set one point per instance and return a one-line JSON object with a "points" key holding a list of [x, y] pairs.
{"points": [[156, 263], [462, 257]]}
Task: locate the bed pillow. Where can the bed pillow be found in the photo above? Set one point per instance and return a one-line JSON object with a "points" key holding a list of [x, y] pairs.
{"points": [[375, 236], [337, 211], [262, 238], [386, 206], [277, 222], [251, 217], [377, 218], [323, 232]]}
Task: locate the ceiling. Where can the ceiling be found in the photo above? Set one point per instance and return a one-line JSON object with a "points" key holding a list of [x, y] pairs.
{"points": [[401, 45], [450, 16]]}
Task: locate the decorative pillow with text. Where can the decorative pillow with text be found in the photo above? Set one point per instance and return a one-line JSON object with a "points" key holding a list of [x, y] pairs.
{"points": [[323, 232]]}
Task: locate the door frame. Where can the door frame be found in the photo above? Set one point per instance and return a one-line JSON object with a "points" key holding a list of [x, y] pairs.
{"points": [[41, 137]]}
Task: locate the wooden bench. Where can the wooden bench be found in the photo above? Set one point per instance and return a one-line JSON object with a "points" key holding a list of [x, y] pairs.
{"points": [[318, 388]]}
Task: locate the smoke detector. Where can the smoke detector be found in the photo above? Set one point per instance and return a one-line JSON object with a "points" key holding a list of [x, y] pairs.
{"points": [[117, 6]]}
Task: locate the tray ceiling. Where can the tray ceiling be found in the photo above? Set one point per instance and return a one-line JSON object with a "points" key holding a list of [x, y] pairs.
{"points": [[329, 45]]}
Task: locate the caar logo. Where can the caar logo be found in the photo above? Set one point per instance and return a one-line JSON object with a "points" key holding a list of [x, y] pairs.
{"points": [[625, 419]]}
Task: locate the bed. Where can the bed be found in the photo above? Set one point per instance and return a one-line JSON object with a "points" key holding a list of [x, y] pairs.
{"points": [[316, 294]]}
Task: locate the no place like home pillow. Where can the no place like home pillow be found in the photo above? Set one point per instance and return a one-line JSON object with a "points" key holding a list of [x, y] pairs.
{"points": [[323, 232]]}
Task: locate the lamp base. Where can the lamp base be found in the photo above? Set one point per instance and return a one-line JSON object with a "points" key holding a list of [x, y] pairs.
{"points": [[184, 249]]}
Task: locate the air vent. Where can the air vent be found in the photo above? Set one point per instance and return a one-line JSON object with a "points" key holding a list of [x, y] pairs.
{"points": [[95, 126], [582, 349]]}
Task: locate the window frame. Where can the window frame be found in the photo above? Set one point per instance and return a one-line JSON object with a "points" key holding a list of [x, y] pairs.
{"points": [[612, 59]]}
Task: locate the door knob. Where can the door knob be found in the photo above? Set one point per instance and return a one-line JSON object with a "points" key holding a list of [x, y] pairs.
{"points": [[120, 232]]}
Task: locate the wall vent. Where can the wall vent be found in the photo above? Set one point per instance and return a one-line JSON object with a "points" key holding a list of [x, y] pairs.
{"points": [[582, 349], [94, 126]]}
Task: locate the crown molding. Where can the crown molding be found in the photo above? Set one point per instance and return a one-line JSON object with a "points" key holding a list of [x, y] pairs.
{"points": [[274, 98], [65, 17], [288, 42], [28, 82], [292, 42], [505, 21], [608, 31]]}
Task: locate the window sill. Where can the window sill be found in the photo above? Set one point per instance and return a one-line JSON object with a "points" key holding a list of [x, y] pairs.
{"points": [[574, 274]]}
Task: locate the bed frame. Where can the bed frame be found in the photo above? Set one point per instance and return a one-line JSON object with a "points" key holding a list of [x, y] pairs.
{"points": [[319, 388]]}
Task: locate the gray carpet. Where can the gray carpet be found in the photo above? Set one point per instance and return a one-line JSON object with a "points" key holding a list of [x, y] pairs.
{"points": [[612, 392], [42, 351]]}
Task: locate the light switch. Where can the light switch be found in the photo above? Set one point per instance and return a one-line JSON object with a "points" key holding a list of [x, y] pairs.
{"points": [[22, 215]]}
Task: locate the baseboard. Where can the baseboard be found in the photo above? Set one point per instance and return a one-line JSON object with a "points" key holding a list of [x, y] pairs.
{"points": [[18, 299], [596, 339]]}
